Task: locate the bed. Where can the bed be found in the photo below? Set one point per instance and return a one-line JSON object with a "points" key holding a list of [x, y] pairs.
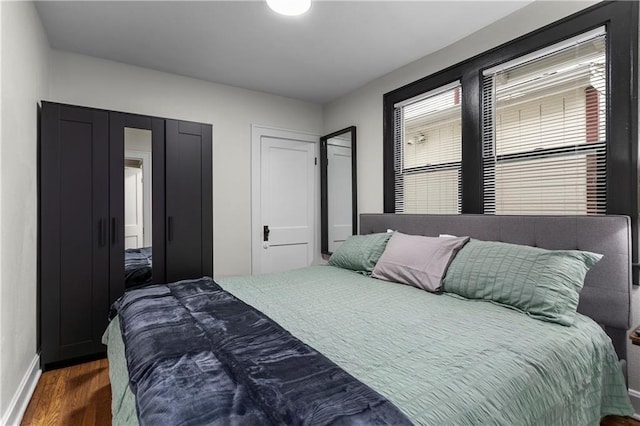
{"points": [[137, 267], [440, 358]]}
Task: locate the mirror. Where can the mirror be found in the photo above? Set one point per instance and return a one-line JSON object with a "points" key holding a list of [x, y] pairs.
{"points": [[338, 188], [137, 207]]}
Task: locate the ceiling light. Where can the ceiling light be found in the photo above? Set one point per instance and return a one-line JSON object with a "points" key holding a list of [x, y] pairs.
{"points": [[289, 7]]}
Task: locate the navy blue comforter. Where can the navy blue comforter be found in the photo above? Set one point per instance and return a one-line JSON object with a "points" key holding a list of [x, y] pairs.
{"points": [[137, 267], [198, 355]]}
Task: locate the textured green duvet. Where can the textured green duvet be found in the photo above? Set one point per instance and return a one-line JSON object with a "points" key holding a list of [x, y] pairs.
{"points": [[440, 359]]}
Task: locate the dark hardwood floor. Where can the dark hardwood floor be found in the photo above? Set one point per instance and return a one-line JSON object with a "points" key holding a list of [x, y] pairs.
{"points": [[77, 395], [81, 395], [619, 421]]}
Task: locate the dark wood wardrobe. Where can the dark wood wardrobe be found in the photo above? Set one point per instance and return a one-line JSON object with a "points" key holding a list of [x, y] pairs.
{"points": [[81, 218]]}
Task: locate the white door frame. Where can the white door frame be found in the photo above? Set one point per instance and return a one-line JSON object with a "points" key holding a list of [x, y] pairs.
{"points": [[145, 158], [135, 197], [257, 133]]}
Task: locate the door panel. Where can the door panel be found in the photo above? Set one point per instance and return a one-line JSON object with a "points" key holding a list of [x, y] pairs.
{"points": [[74, 211], [287, 203], [188, 156], [76, 244], [286, 257], [339, 210]]}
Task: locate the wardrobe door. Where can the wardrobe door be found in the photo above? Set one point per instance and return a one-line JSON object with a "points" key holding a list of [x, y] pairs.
{"points": [[74, 228], [188, 201]]}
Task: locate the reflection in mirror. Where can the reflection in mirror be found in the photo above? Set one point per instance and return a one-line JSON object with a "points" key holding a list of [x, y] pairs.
{"points": [[137, 207], [339, 211]]}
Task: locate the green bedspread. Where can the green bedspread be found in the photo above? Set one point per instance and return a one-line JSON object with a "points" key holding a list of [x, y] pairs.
{"points": [[440, 359]]}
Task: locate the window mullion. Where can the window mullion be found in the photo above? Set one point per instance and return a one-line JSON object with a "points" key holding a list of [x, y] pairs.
{"points": [[488, 144]]}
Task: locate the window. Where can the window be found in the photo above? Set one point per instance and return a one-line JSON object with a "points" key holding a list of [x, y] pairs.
{"points": [[548, 125], [428, 152], [544, 130]]}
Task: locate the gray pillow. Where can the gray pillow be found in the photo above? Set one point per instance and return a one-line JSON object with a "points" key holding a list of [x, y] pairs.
{"points": [[360, 252], [543, 283], [417, 261]]}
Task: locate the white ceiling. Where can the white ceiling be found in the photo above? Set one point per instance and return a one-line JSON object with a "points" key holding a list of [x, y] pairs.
{"points": [[335, 48]]}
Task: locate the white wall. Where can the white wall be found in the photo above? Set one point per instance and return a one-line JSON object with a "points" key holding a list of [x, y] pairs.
{"points": [[24, 70], [363, 108], [83, 80]]}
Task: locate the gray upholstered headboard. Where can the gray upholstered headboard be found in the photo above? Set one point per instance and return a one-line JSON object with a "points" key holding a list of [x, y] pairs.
{"points": [[606, 296]]}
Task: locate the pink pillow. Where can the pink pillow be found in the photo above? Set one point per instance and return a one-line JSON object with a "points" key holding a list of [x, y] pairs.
{"points": [[417, 261]]}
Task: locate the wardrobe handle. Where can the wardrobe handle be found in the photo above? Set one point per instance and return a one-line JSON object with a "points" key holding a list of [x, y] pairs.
{"points": [[169, 228], [114, 231]]}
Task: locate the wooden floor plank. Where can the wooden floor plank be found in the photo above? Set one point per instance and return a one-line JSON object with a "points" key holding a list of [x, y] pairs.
{"points": [[73, 395], [96, 406], [81, 395], [619, 421], [54, 399], [77, 400]]}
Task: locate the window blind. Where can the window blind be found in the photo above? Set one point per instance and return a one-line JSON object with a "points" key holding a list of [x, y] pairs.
{"points": [[428, 152], [544, 131]]}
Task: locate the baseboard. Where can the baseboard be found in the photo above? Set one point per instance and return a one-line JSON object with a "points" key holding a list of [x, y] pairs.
{"points": [[634, 395], [17, 407]]}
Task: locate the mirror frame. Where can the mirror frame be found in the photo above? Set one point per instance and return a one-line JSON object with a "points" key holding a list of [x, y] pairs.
{"points": [[117, 123], [324, 195]]}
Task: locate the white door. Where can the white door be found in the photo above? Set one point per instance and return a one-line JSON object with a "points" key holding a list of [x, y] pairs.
{"points": [[284, 223], [133, 215], [339, 186]]}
